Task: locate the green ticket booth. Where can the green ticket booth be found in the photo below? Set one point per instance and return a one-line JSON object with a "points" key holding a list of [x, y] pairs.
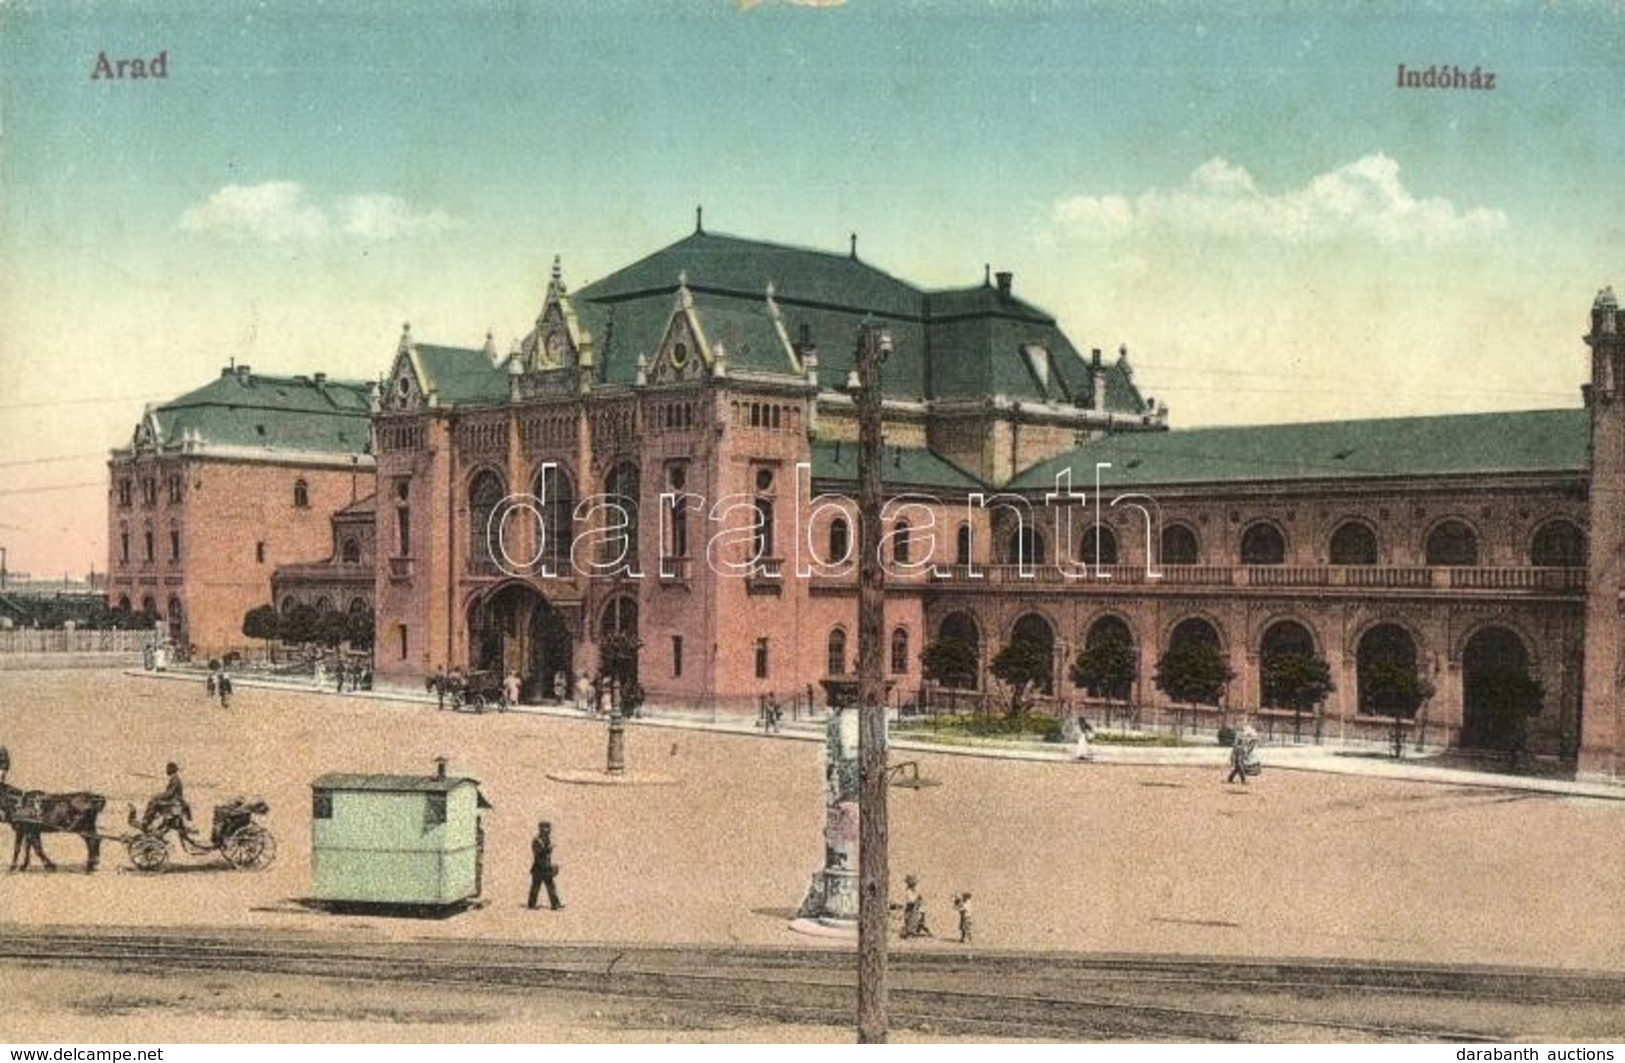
{"points": [[410, 840]]}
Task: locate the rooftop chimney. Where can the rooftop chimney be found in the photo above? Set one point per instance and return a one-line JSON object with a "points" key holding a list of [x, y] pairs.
{"points": [[1004, 280], [440, 767]]}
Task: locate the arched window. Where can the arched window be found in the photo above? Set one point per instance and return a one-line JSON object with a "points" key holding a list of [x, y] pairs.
{"points": [[902, 548], [762, 544], [147, 536], [1034, 629], [836, 664], [288, 604], [358, 605], [350, 552], [1179, 546], [962, 544], [899, 651], [1098, 546], [1281, 639], [1386, 673], [622, 488], [1195, 630], [1025, 546], [1353, 543], [840, 544], [953, 659], [484, 495], [124, 542], [558, 503], [1452, 542], [124, 603], [620, 616], [1263, 544], [324, 605], [1108, 648], [1558, 544], [301, 494]]}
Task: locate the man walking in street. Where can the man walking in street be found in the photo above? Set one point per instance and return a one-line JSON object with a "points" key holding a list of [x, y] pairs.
{"points": [[543, 870]]}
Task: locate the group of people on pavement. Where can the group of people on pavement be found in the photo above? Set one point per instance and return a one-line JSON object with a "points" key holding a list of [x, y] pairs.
{"points": [[913, 907]]}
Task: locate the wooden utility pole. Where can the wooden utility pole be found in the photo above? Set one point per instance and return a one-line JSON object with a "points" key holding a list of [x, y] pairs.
{"points": [[874, 880]]}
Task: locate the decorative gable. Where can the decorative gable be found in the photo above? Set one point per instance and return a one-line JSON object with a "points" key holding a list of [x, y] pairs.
{"points": [[558, 338], [405, 387]]}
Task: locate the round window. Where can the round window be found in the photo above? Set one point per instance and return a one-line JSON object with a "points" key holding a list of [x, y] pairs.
{"points": [[679, 355]]}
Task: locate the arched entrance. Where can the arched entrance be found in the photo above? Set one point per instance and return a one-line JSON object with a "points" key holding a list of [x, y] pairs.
{"points": [[517, 630], [1498, 695], [1034, 629]]}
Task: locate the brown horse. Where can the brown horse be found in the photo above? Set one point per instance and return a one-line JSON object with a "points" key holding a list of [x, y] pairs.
{"points": [[32, 813]]}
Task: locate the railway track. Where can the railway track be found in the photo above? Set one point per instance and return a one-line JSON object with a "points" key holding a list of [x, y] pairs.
{"points": [[1005, 995]]}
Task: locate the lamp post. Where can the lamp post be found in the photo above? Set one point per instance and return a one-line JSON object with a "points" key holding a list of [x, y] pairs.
{"points": [[873, 345]]}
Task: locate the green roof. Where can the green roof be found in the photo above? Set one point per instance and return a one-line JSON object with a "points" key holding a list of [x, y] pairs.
{"points": [[1536, 441], [391, 783], [899, 467], [461, 375], [247, 409], [956, 343]]}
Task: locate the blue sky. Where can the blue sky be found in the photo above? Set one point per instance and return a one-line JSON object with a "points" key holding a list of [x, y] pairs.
{"points": [[1239, 193]]}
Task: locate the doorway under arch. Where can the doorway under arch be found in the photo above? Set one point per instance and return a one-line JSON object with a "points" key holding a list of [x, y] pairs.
{"points": [[518, 630], [1498, 695]]}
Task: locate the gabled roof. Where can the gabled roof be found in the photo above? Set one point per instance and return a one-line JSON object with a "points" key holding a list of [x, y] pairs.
{"points": [[461, 375], [729, 264], [246, 409], [1528, 442], [899, 467], [957, 343]]}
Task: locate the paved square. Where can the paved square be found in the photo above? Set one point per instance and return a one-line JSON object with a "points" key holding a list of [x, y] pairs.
{"points": [[1060, 855]]}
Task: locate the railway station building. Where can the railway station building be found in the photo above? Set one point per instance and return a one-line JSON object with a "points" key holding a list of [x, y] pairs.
{"points": [[670, 453]]}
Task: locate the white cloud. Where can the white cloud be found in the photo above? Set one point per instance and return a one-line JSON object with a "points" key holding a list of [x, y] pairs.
{"points": [[1364, 199], [385, 217], [278, 212], [274, 212]]}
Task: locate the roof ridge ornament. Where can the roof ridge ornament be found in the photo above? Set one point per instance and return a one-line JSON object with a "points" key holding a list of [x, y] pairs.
{"points": [[406, 345]]}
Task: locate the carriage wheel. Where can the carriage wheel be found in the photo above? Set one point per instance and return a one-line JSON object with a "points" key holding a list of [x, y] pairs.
{"points": [[148, 853], [253, 848], [476, 703]]}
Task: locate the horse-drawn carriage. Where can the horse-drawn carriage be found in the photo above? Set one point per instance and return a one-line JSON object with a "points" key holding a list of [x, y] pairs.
{"points": [[235, 834]]}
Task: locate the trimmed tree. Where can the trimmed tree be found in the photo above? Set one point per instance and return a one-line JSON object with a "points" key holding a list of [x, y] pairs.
{"points": [[263, 622], [1021, 667], [951, 662], [1193, 672], [360, 629], [1106, 669], [299, 625], [1389, 688], [331, 629], [1510, 695], [1297, 681]]}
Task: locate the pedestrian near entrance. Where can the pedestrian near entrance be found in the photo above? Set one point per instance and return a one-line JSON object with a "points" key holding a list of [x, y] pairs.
{"points": [[222, 685], [510, 689], [543, 871]]}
